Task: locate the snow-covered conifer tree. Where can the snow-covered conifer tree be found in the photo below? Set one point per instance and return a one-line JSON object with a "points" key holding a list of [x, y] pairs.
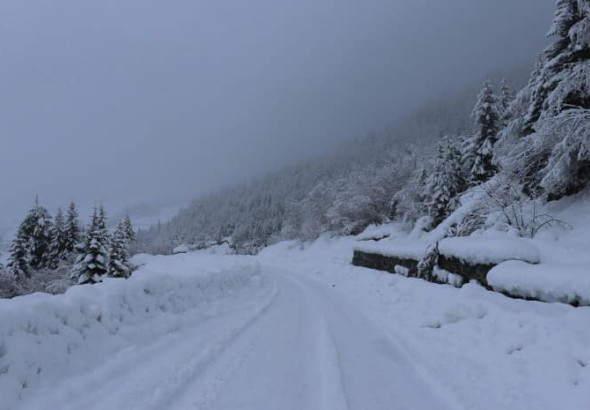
{"points": [[36, 230], [506, 98], [119, 254], [443, 184], [19, 262], [561, 83], [550, 157], [57, 246], [72, 229], [91, 263], [129, 231], [487, 122], [102, 226]]}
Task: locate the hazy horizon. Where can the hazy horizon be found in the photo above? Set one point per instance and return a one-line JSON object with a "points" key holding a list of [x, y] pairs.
{"points": [[127, 101]]}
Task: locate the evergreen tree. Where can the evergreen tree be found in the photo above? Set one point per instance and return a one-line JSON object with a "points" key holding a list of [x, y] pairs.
{"points": [[551, 157], [487, 124], [506, 98], [36, 229], [566, 15], [119, 255], [455, 162], [57, 247], [19, 263], [91, 263], [561, 81], [443, 184], [72, 229], [130, 232], [102, 226]]}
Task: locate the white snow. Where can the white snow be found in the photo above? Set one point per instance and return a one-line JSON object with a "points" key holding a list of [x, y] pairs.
{"points": [[483, 350], [180, 249], [489, 250], [408, 249], [547, 282], [379, 232], [296, 327], [447, 277], [48, 341]]}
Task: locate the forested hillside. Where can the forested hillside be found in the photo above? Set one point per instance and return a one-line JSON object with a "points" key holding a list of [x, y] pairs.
{"points": [[342, 192], [534, 147]]}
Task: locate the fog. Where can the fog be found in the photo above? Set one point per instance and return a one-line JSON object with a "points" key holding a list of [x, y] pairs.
{"points": [[127, 100]]}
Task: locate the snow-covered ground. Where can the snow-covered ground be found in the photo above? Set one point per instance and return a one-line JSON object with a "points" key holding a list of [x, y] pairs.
{"points": [[144, 335], [481, 349], [296, 327]]}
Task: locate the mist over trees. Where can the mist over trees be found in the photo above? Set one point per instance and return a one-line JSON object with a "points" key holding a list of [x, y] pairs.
{"points": [[535, 143]]}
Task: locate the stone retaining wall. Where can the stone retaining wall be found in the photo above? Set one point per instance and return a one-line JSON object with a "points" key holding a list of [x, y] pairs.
{"points": [[384, 263], [469, 271]]}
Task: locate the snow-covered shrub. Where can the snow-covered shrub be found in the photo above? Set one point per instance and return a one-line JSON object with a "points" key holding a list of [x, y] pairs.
{"points": [[53, 281], [428, 262], [473, 221], [9, 287], [517, 211]]}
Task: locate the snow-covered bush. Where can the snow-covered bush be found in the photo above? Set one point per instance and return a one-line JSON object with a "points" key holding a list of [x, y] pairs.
{"points": [[9, 287], [428, 262], [517, 211]]}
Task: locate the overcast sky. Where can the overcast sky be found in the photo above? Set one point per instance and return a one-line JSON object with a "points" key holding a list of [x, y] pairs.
{"points": [[118, 100]]}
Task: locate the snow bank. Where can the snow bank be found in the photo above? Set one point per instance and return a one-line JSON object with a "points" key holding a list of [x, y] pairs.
{"points": [[546, 282], [403, 250], [181, 249], [45, 339], [379, 232], [489, 250]]}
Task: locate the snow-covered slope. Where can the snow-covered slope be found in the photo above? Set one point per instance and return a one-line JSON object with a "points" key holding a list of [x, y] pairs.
{"points": [[48, 340]]}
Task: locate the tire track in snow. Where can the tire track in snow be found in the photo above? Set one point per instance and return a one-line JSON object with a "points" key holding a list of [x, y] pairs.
{"points": [[151, 378]]}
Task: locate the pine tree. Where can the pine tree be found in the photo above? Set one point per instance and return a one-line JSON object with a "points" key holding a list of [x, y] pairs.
{"points": [[19, 263], [487, 124], [102, 226], [566, 15], [551, 158], [91, 263], [57, 247], [561, 81], [36, 230], [506, 98], [119, 254], [455, 162], [72, 229], [443, 184], [128, 227]]}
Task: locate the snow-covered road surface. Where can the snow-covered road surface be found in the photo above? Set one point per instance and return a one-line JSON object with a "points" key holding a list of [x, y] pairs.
{"points": [[307, 348]]}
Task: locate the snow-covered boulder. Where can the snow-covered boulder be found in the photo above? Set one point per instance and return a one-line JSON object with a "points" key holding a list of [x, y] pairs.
{"points": [[489, 251]]}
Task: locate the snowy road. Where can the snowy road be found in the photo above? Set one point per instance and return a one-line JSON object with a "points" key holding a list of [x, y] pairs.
{"points": [[306, 348]]}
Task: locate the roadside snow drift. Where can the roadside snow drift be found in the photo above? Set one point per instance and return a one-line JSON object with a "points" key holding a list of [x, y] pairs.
{"points": [[407, 249], [47, 339], [547, 282], [489, 250]]}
